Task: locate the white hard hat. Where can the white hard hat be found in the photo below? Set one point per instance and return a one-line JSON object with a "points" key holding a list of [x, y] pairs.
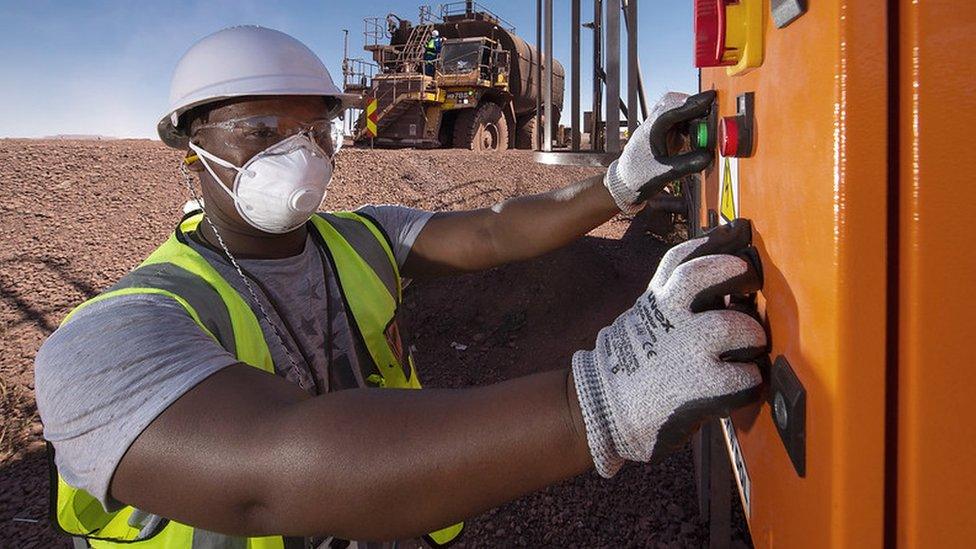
{"points": [[436, 33], [243, 61]]}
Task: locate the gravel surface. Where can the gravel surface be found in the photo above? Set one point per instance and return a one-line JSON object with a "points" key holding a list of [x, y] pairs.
{"points": [[77, 215]]}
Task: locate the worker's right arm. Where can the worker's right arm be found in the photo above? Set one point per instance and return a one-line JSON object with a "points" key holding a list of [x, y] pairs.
{"points": [[248, 453], [145, 409]]}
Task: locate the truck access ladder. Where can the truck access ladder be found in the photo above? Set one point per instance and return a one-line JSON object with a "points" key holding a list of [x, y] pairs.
{"points": [[411, 56]]}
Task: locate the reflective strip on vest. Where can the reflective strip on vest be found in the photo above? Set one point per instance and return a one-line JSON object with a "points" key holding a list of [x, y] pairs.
{"points": [[369, 244], [202, 296], [373, 312], [444, 537], [370, 284]]}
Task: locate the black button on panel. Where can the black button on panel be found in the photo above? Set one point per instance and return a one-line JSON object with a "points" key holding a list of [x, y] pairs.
{"points": [[788, 400]]}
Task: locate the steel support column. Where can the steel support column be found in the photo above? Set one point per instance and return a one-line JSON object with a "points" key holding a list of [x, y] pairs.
{"points": [[633, 68], [641, 92], [613, 75], [574, 98], [549, 115], [537, 77], [596, 135]]}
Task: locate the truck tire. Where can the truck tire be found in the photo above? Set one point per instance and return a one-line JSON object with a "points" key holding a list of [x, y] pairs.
{"points": [[525, 133], [481, 129]]}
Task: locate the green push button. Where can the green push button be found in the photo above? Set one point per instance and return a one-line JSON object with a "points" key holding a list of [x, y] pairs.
{"points": [[701, 135]]}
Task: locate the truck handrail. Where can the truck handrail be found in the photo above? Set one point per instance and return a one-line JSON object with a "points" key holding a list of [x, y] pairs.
{"points": [[426, 16], [450, 9], [375, 31], [357, 73]]}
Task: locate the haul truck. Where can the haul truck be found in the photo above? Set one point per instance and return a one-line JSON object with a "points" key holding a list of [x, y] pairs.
{"points": [[843, 135], [480, 93]]}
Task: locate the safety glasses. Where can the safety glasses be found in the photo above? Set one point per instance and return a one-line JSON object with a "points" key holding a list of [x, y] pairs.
{"points": [[261, 132]]}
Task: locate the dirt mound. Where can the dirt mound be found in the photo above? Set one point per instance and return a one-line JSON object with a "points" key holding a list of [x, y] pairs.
{"points": [[77, 215]]}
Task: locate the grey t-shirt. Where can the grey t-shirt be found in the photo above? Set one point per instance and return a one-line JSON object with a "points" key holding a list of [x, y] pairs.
{"points": [[104, 376]]}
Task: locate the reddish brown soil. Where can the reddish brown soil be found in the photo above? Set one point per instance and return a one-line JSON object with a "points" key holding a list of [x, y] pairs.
{"points": [[78, 214]]}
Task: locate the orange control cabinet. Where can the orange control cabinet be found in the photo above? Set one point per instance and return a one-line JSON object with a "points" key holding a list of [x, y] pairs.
{"points": [[856, 183]]}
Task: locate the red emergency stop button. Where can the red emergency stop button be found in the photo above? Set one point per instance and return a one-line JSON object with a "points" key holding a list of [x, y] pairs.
{"points": [[728, 136], [710, 33], [729, 33]]}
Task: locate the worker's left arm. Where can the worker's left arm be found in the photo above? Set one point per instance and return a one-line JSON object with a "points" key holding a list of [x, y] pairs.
{"points": [[526, 227]]}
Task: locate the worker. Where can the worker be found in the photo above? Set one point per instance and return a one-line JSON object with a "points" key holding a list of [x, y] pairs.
{"points": [[432, 50], [235, 388]]}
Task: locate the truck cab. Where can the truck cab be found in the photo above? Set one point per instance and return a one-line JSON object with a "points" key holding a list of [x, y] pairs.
{"points": [[478, 62]]}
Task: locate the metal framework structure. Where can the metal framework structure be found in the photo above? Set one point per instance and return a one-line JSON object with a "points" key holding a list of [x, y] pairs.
{"points": [[466, 7], [604, 120]]}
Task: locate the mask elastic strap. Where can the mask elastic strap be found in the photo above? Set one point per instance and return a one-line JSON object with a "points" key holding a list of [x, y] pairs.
{"points": [[201, 152], [204, 156]]}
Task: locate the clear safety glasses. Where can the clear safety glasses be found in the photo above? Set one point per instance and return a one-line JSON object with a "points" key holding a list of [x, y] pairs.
{"points": [[261, 132]]}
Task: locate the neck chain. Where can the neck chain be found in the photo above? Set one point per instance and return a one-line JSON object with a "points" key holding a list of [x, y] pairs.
{"points": [[188, 180]]}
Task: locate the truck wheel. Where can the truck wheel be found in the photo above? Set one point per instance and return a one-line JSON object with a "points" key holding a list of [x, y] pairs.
{"points": [[525, 134], [481, 129]]}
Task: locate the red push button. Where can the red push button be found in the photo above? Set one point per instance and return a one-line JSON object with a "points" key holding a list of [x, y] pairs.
{"points": [[728, 136]]}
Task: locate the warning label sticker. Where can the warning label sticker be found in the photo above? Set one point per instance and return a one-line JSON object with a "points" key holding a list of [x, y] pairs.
{"points": [[738, 465], [728, 198]]}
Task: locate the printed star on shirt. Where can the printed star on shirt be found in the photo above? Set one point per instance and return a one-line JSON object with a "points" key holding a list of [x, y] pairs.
{"points": [[310, 326]]}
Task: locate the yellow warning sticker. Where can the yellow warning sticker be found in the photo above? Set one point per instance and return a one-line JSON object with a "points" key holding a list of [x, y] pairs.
{"points": [[728, 194]]}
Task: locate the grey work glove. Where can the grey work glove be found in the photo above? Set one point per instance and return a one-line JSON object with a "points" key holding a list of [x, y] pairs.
{"points": [[673, 360], [646, 165]]}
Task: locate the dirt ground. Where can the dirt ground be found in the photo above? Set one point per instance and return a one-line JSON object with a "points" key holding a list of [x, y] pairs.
{"points": [[77, 215]]}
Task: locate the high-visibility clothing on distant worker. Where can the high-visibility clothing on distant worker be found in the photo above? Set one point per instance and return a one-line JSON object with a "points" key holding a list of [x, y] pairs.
{"points": [[369, 281], [433, 46], [432, 49]]}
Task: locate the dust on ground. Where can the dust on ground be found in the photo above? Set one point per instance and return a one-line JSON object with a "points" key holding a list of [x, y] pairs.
{"points": [[78, 214]]}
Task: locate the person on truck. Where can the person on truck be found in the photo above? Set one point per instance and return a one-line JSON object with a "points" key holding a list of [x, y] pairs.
{"points": [[235, 388], [432, 50]]}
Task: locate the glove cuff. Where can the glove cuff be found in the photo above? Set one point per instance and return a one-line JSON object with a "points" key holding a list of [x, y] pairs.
{"points": [[596, 414], [624, 196]]}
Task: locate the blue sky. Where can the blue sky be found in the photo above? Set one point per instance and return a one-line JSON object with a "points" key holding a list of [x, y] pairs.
{"points": [[80, 67]]}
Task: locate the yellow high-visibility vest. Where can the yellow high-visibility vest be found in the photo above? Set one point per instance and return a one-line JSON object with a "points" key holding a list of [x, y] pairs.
{"points": [[369, 281]]}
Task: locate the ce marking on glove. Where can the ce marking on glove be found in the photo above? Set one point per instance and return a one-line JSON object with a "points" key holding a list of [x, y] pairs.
{"points": [[649, 349]]}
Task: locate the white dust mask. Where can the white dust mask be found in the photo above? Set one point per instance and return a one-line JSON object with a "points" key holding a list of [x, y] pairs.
{"points": [[278, 189]]}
